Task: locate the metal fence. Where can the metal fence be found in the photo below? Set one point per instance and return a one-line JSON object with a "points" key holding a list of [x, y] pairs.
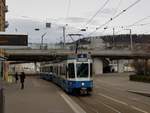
{"points": [[1, 100]]}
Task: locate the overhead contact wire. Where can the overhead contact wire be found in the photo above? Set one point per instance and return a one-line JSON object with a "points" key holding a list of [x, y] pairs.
{"points": [[111, 19], [97, 13]]}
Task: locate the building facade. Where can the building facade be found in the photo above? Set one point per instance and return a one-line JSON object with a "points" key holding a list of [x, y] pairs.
{"points": [[3, 10], [3, 25], [3, 72]]}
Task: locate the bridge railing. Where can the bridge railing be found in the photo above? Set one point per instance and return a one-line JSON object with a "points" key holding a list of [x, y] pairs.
{"points": [[56, 46], [1, 100], [45, 46]]}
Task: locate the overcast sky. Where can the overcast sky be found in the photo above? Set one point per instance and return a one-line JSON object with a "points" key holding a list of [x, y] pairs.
{"points": [[25, 15]]}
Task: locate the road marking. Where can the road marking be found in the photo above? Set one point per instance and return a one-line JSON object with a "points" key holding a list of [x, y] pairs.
{"points": [[113, 99], [138, 109], [121, 102], [104, 84], [111, 107], [74, 106]]}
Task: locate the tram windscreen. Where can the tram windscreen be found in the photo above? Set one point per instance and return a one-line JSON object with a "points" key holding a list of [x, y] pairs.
{"points": [[82, 70]]}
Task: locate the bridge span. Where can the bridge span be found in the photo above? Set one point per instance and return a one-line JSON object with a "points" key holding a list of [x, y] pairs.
{"points": [[52, 54], [99, 56]]}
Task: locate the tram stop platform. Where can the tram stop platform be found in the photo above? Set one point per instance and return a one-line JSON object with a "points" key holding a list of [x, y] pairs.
{"points": [[38, 96]]}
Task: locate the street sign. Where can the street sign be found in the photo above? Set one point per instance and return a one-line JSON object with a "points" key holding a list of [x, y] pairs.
{"points": [[48, 25], [7, 39]]}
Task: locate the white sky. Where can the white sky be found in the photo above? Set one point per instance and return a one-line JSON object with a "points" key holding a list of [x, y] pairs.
{"points": [[80, 11]]}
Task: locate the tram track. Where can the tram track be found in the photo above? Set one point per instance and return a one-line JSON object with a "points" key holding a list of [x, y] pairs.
{"points": [[132, 101], [88, 107], [91, 105], [99, 104]]}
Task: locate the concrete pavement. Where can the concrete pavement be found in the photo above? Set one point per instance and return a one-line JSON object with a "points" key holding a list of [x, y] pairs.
{"points": [[140, 92], [39, 96], [121, 81]]}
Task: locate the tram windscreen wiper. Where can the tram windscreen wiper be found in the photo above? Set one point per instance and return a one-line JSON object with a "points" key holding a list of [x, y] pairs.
{"points": [[82, 70]]}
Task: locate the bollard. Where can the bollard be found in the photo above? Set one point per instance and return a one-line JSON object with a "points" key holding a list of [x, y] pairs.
{"points": [[1, 101]]}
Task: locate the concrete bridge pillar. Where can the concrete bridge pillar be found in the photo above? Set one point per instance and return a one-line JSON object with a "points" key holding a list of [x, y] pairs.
{"points": [[97, 66], [120, 66]]}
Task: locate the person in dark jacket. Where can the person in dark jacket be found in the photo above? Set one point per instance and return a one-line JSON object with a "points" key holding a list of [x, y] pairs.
{"points": [[22, 78], [16, 77]]}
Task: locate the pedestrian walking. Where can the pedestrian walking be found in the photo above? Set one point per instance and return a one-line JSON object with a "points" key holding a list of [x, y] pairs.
{"points": [[22, 78], [16, 77]]}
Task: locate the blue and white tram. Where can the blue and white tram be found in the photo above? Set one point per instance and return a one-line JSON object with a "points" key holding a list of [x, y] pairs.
{"points": [[46, 72], [74, 75]]}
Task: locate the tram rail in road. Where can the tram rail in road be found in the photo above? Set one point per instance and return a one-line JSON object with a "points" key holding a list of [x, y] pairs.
{"points": [[74, 106]]}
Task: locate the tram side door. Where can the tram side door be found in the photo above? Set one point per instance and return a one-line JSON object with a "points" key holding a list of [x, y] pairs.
{"points": [[67, 71]]}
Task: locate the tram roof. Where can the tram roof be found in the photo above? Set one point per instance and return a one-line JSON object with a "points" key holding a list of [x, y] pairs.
{"points": [[79, 55]]}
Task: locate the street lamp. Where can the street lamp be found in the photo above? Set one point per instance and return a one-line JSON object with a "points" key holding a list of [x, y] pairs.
{"points": [[41, 45], [131, 40], [42, 40], [113, 37], [113, 40], [48, 25], [64, 36]]}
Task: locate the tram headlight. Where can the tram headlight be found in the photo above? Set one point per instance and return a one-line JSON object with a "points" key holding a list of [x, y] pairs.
{"points": [[82, 83]]}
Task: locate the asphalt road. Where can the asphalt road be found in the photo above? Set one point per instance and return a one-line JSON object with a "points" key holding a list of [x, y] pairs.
{"points": [[110, 95]]}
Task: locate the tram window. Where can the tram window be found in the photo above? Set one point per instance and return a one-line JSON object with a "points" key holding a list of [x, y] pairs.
{"points": [[71, 70], [82, 70], [63, 70], [91, 70], [60, 70], [57, 70], [66, 71], [51, 69], [45, 69], [48, 69]]}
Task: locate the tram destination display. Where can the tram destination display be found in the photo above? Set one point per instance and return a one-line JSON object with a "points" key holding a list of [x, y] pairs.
{"points": [[82, 57], [13, 40]]}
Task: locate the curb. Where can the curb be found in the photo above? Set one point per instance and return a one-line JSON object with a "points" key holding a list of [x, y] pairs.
{"points": [[144, 93]]}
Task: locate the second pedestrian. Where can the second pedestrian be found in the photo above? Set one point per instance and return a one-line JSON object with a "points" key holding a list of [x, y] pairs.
{"points": [[22, 78]]}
